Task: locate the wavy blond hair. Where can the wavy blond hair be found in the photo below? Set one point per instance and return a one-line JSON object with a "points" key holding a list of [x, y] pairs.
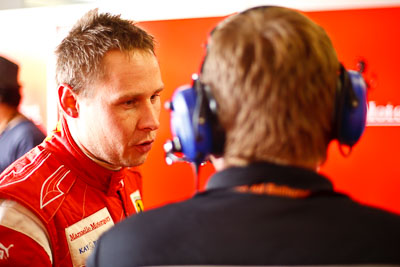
{"points": [[273, 72]]}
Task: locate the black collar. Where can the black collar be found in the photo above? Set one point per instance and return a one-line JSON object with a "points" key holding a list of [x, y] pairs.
{"points": [[264, 172]]}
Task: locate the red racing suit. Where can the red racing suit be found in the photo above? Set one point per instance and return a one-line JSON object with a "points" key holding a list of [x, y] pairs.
{"points": [[55, 203]]}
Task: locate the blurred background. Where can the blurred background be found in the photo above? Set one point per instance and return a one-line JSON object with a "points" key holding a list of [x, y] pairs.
{"points": [[364, 32]]}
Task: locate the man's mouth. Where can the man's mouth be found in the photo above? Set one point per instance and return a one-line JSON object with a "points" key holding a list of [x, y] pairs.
{"points": [[145, 146]]}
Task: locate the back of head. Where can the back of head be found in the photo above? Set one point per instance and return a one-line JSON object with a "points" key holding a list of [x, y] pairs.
{"points": [[9, 87], [273, 73], [80, 54]]}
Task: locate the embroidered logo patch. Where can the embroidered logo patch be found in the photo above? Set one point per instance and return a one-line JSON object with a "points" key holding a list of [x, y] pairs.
{"points": [[137, 201], [4, 251], [50, 189], [82, 236]]}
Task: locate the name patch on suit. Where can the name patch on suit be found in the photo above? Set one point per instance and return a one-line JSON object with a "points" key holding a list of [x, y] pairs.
{"points": [[82, 236]]}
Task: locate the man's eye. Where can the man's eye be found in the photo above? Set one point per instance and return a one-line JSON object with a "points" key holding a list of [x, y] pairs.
{"points": [[154, 97], [130, 103]]}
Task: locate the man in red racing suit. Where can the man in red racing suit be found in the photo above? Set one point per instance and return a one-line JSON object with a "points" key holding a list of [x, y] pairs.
{"points": [[61, 196], [56, 186]]}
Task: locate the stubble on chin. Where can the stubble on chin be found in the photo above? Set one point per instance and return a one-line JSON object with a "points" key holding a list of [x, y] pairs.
{"points": [[134, 161]]}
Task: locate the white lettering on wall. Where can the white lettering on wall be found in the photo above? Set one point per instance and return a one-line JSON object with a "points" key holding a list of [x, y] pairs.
{"points": [[383, 115]]}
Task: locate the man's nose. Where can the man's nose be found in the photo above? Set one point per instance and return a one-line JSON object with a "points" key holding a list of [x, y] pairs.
{"points": [[150, 117]]}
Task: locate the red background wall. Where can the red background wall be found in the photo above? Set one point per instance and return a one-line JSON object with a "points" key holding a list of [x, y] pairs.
{"points": [[371, 174]]}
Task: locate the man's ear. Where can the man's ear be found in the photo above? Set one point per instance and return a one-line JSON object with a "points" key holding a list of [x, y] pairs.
{"points": [[68, 100]]}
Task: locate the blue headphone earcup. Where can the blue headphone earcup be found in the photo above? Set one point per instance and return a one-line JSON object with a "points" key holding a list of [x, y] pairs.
{"points": [[195, 137], [353, 112]]}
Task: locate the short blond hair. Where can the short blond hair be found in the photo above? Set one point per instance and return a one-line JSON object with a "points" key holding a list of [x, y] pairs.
{"points": [[80, 54], [273, 72]]}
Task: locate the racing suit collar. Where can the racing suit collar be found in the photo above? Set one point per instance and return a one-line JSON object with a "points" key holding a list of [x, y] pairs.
{"points": [[92, 173]]}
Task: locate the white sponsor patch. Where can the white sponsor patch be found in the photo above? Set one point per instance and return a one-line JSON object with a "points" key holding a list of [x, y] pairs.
{"points": [[137, 201], [82, 236]]}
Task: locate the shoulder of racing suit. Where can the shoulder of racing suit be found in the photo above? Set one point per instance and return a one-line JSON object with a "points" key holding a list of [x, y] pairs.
{"points": [[37, 181]]}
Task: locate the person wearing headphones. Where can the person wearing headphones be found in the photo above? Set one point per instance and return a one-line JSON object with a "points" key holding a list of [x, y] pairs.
{"points": [[18, 134], [271, 78], [59, 198]]}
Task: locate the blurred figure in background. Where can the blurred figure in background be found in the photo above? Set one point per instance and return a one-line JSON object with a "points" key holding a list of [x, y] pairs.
{"points": [[276, 78], [60, 197], [18, 134]]}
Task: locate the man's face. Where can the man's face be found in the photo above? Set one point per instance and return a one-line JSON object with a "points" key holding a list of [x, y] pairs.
{"points": [[119, 118]]}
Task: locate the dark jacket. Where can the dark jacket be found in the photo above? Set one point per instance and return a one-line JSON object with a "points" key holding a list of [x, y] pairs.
{"points": [[223, 226]]}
